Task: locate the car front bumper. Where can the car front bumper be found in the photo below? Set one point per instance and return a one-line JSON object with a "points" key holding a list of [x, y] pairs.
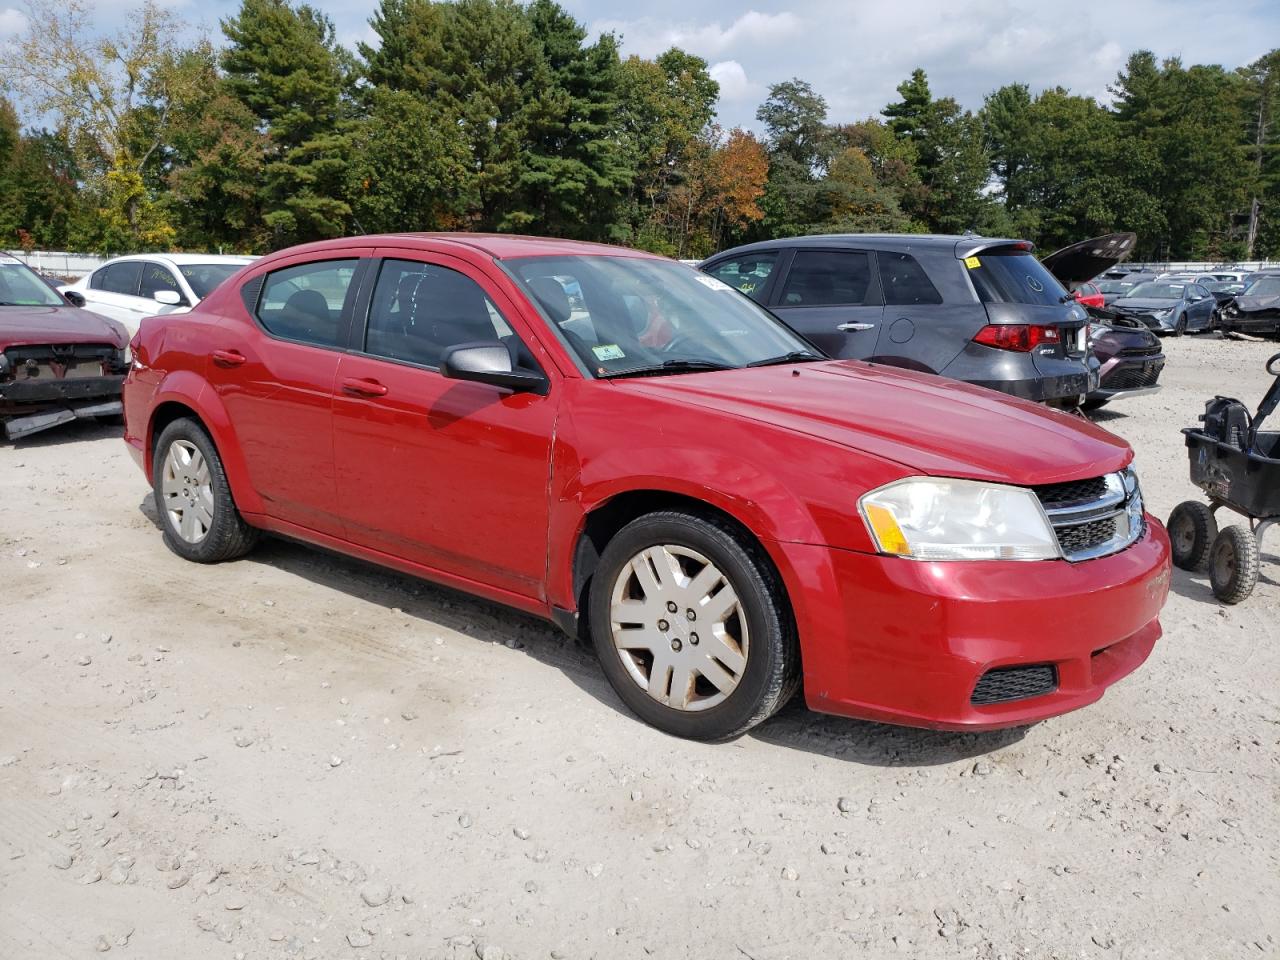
{"points": [[30, 406], [1261, 322], [1129, 377], [906, 642]]}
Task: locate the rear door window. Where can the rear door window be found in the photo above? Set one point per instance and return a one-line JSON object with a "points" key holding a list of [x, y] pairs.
{"points": [[305, 302], [1013, 278], [904, 281], [825, 278], [749, 274], [122, 278]]}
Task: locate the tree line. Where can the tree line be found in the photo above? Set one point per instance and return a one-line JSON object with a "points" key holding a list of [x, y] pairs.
{"points": [[495, 115]]}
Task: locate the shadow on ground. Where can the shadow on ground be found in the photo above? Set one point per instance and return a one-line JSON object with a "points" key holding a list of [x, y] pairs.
{"points": [[794, 727]]}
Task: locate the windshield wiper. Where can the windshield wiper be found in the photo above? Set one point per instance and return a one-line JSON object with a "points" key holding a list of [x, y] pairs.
{"points": [[794, 356], [669, 366]]}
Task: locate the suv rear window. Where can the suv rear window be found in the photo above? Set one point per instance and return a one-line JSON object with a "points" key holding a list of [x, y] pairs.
{"points": [[1013, 278]]}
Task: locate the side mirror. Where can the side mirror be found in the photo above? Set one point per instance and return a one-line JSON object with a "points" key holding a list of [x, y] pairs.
{"points": [[171, 298], [74, 297], [489, 362]]}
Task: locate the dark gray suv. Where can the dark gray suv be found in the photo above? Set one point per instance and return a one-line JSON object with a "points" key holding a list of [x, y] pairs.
{"points": [[977, 309]]}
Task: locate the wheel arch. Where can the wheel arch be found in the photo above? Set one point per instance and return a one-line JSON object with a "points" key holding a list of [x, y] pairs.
{"points": [[184, 395], [607, 518]]}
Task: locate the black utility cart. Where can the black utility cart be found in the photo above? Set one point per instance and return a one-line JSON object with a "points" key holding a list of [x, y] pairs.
{"points": [[1237, 465]]}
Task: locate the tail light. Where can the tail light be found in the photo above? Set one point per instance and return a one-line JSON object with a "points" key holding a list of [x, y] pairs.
{"points": [[1021, 337]]}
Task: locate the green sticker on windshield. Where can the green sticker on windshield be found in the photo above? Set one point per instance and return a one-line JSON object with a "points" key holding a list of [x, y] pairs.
{"points": [[608, 351]]}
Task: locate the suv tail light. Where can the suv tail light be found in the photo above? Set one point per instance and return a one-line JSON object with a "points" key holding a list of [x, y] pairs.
{"points": [[1022, 337]]}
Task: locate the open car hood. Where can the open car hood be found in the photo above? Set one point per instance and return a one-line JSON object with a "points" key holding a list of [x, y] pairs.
{"points": [[1088, 258]]}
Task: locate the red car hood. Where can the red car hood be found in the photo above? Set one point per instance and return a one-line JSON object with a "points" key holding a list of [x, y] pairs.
{"points": [[24, 325], [929, 424]]}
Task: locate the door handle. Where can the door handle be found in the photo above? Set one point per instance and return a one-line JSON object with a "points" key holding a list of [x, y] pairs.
{"points": [[228, 358], [851, 327], [363, 388]]}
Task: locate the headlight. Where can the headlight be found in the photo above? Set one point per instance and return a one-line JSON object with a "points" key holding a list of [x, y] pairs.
{"points": [[940, 519], [1167, 311]]}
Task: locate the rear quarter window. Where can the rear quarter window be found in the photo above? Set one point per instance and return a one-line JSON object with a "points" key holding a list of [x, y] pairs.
{"points": [[1013, 278], [904, 281]]}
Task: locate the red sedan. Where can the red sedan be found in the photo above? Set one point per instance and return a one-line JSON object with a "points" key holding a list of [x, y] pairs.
{"points": [[595, 434]]}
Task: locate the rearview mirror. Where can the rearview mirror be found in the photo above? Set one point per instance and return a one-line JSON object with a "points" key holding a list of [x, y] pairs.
{"points": [[170, 298], [74, 297], [489, 362]]}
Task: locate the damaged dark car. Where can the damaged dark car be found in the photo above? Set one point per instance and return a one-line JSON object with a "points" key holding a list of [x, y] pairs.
{"points": [[1130, 355], [1255, 311], [58, 363]]}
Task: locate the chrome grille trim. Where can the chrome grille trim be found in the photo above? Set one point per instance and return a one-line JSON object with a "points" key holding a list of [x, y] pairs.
{"points": [[1121, 504]]}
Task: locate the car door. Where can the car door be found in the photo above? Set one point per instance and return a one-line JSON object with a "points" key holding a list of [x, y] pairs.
{"points": [[832, 297], [1200, 306], [113, 292], [273, 368], [156, 277], [446, 473]]}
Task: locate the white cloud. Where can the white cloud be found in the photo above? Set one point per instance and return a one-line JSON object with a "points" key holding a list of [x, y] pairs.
{"points": [[734, 85], [12, 22], [649, 36]]}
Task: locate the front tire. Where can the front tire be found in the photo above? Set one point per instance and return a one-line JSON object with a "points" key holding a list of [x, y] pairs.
{"points": [[198, 517], [1233, 564], [692, 626], [1192, 529]]}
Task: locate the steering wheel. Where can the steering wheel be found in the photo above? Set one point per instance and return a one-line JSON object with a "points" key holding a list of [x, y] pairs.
{"points": [[684, 340], [1273, 365]]}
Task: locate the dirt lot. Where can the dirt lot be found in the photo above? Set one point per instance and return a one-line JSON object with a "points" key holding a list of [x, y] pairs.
{"points": [[298, 755]]}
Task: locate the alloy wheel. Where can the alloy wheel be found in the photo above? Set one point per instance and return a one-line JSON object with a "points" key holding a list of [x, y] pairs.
{"points": [[678, 627], [187, 488]]}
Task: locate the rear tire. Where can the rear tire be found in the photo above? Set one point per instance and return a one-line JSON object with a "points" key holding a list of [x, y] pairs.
{"points": [[640, 625], [198, 517], [1192, 528], [1233, 564]]}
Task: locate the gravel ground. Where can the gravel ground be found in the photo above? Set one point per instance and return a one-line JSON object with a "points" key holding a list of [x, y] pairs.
{"points": [[298, 755]]}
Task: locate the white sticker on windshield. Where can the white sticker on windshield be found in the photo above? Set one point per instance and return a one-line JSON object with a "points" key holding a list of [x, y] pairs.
{"points": [[5, 258], [712, 282], [608, 351]]}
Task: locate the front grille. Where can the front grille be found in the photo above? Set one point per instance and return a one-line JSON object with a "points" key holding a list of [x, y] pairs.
{"points": [[1086, 536], [1004, 684], [1133, 377], [1072, 492], [1094, 517]]}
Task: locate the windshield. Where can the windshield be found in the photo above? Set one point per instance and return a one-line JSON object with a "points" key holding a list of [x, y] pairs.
{"points": [[622, 313], [1266, 287], [21, 287], [203, 277], [1222, 286], [1114, 286], [1157, 291], [1013, 278]]}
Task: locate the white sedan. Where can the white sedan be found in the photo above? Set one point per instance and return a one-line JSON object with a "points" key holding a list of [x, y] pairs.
{"points": [[145, 285]]}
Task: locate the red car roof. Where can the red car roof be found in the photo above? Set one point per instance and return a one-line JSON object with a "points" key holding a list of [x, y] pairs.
{"points": [[501, 246]]}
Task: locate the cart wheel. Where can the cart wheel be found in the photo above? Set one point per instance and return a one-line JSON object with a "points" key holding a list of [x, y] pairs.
{"points": [[1192, 529], [1233, 564]]}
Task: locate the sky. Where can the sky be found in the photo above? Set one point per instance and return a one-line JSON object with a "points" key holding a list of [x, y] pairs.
{"points": [[856, 52]]}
